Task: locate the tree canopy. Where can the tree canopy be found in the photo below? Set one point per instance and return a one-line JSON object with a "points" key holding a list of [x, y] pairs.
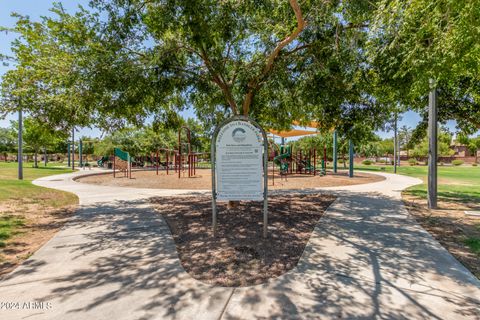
{"points": [[411, 42], [347, 64]]}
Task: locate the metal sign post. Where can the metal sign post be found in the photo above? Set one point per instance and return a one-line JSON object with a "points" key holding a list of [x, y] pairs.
{"points": [[237, 145]]}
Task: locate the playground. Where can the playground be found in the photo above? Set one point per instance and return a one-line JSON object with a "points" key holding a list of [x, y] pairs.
{"points": [[217, 160], [203, 180]]}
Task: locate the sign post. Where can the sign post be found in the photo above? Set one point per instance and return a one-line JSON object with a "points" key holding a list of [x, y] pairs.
{"points": [[239, 165]]}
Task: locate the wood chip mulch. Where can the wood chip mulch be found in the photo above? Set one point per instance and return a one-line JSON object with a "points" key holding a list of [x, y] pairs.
{"points": [[239, 256]]}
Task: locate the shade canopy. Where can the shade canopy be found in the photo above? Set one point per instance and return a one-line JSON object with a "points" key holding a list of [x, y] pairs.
{"points": [[292, 133], [311, 124]]}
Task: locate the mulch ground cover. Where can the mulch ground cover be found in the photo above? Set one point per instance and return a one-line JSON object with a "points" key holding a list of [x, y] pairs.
{"points": [[239, 255]]}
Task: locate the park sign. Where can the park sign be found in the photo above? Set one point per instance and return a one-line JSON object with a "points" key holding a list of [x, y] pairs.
{"points": [[239, 163]]}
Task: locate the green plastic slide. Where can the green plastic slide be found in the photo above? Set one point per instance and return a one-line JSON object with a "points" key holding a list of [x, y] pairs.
{"points": [[284, 154], [121, 154]]}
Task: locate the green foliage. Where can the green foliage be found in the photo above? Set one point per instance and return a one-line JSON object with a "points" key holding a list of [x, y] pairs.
{"points": [[148, 139], [473, 244], [473, 144], [444, 141], [474, 164], [411, 42], [38, 136], [49, 80], [8, 140], [367, 162], [124, 61], [412, 161], [352, 66], [457, 162]]}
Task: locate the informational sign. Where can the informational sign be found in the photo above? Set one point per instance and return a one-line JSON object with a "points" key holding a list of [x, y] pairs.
{"points": [[239, 162], [239, 165]]}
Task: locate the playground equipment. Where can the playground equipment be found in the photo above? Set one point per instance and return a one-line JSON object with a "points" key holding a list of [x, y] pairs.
{"points": [[185, 160], [123, 163], [282, 159], [180, 160], [300, 162], [102, 161], [297, 162]]}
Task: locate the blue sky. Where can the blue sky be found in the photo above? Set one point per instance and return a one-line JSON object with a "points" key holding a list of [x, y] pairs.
{"points": [[37, 8]]}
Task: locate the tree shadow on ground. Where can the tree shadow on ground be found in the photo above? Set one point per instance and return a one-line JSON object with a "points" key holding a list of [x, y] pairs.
{"points": [[239, 255], [366, 259]]}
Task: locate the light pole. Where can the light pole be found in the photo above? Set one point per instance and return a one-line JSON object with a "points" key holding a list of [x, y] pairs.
{"points": [[73, 148], [395, 143], [20, 144], [350, 158], [432, 146], [335, 151]]}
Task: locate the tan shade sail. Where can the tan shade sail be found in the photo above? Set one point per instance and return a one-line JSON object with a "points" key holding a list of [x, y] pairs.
{"points": [[311, 124], [291, 133]]}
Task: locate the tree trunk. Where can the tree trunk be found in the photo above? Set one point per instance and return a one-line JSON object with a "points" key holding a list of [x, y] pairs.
{"points": [[35, 160]]}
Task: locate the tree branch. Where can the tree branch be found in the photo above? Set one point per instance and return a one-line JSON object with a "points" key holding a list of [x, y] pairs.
{"points": [[305, 46], [254, 83], [220, 81]]}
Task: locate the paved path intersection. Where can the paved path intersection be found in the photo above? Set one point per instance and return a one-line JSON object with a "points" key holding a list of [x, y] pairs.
{"points": [[367, 259]]}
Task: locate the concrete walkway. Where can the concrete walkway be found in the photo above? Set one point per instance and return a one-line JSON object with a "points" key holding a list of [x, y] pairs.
{"points": [[367, 259]]}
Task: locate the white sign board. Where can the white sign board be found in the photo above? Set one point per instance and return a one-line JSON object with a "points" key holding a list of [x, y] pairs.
{"points": [[239, 162]]}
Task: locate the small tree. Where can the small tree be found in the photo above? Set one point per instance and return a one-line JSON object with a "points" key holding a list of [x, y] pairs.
{"points": [[473, 144], [8, 142], [38, 136]]}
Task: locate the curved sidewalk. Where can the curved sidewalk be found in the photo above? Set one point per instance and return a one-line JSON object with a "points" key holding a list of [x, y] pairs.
{"points": [[366, 259]]}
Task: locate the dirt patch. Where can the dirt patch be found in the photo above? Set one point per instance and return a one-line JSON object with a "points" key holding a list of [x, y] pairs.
{"points": [[450, 226], [239, 256], [40, 224], [203, 180]]}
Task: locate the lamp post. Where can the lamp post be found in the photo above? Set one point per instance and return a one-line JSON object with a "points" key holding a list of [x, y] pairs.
{"points": [[335, 151], [73, 148], [395, 143], [20, 144], [350, 158], [432, 146]]}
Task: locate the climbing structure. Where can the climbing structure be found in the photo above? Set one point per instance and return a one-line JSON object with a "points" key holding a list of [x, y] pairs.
{"points": [[122, 162]]}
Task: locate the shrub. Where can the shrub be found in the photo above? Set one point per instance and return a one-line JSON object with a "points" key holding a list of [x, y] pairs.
{"points": [[367, 162], [441, 163], [474, 164], [412, 161], [457, 162], [381, 160]]}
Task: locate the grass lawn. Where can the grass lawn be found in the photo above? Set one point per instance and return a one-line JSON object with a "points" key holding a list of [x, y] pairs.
{"points": [[29, 214], [458, 190], [455, 184]]}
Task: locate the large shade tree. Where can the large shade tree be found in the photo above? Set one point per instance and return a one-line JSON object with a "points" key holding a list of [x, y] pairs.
{"points": [[411, 42], [123, 61]]}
